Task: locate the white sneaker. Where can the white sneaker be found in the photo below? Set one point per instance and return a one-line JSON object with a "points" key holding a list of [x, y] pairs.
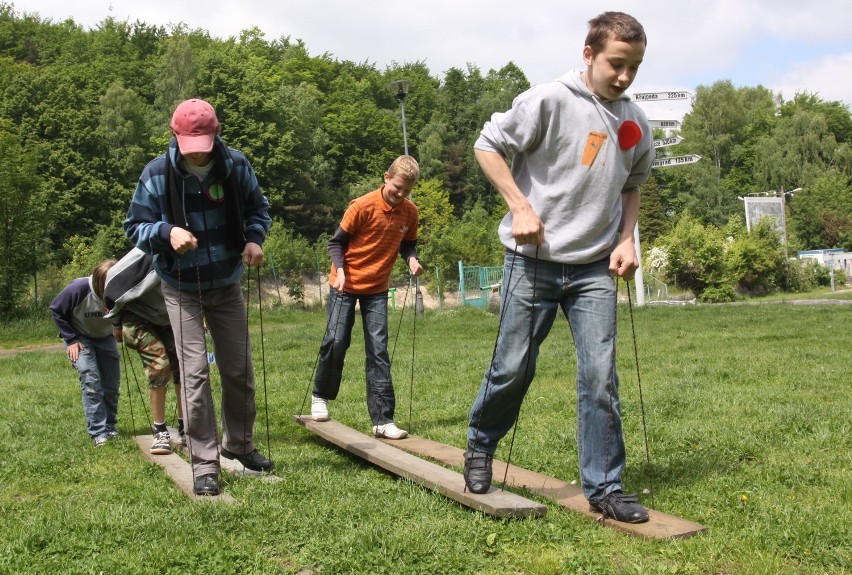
{"points": [[389, 431], [319, 408]]}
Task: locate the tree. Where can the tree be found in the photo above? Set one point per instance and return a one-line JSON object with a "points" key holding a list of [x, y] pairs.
{"points": [[820, 213], [23, 215], [653, 222]]}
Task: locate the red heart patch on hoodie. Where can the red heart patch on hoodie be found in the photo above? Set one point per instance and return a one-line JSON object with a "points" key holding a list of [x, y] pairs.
{"points": [[629, 135]]}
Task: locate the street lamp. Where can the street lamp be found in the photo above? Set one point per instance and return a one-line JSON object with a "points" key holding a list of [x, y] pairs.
{"points": [[401, 89]]}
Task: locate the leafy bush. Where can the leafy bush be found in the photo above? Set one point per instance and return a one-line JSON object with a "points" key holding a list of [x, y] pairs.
{"points": [[754, 260], [718, 294], [695, 255]]}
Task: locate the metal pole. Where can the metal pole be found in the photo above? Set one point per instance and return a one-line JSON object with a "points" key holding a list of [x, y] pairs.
{"points": [[640, 281], [404, 132]]}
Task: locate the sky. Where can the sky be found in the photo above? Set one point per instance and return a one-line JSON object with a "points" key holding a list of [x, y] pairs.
{"points": [[787, 46]]}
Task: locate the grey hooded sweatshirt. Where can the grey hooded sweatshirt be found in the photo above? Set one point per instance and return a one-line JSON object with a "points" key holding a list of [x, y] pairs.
{"points": [[568, 160]]}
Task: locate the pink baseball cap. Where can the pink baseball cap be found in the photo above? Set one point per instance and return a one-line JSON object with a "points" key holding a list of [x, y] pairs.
{"points": [[195, 125]]}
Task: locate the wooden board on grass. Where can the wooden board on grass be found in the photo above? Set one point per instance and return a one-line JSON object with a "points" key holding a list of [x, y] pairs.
{"points": [[425, 473], [178, 470], [230, 465], [659, 525]]}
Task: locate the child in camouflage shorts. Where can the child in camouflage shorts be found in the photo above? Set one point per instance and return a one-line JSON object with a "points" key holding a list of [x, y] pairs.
{"points": [[134, 302]]}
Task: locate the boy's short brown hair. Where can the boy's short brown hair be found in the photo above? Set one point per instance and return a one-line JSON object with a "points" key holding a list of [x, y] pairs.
{"points": [[616, 26], [405, 166], [99, 277]]}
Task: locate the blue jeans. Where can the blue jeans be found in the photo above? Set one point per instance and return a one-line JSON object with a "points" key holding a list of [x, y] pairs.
{"points": [[381, 402], [586, 294], [99, 369]]}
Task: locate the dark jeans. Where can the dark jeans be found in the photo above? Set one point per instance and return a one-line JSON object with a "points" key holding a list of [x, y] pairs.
{"points": [[338, 336]]}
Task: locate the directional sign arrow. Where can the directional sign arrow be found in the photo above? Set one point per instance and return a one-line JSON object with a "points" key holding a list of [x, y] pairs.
{"points": [[664, 123], [654, 96], [675, 161], [667, 142]]}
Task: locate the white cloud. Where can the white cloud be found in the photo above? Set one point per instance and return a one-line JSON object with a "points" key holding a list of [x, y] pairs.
{"points": [[830, 77], [787, 45]]}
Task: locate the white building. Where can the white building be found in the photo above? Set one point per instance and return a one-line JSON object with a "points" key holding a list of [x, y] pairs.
{"points": [[834, 258]]}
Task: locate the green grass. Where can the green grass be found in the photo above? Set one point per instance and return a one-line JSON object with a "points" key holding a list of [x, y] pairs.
{"points": [[748, 415]]}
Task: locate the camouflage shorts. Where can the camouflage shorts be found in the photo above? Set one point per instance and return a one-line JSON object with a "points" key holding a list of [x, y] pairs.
{"points": [[156, 347]]}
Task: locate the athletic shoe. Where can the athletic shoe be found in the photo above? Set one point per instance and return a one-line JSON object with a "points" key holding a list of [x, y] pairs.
{"points": [[319, 408], [389, 431], [253, 461], [621, 507], [100, 440], [207, 485], [161, 444], [477, 471], [112, 433]]}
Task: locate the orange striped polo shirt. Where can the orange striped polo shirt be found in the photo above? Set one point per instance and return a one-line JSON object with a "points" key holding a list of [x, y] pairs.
{"points": [[376, 231]]}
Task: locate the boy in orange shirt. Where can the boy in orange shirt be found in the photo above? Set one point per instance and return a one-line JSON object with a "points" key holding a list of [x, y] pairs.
{"points": [[375, 228]]}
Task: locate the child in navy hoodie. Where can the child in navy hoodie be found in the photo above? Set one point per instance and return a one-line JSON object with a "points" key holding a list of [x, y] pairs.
{"points": [[79, 315]]}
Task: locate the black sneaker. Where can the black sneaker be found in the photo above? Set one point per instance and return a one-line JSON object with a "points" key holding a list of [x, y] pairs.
{"points": [[252, 461], [477, 471], [621, 507], [207, 484]]}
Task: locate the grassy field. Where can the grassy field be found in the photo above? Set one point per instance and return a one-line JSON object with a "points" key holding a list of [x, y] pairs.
{"points": [[748, 412]]}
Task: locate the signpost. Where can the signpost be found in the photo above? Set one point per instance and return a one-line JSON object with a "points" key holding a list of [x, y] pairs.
{"points": [[656, 96], [667, 142], [665, 124], [641, 97], [675, 161]]}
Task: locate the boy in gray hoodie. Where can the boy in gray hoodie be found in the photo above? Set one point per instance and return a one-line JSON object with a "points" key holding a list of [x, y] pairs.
{"points": [[579, 149]]}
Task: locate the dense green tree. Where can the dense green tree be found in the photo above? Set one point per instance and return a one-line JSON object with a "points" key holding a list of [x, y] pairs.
{"points": [[24, 217], [653, 221], [821, 214]]}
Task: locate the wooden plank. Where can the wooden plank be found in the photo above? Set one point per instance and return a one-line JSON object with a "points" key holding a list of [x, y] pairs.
{"points": [[659, 525], [425, 473], [179, 470], [230, 465]]}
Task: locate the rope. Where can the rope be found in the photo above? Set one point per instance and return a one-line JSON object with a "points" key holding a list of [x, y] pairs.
{"points": [[494, 350], [641, 397], [413, 340], [334, 307], [526, 370], [263, 364], [130, 391]]}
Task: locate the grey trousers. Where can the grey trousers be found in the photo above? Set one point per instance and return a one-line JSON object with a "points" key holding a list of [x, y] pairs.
{"points": [[225, 313]]}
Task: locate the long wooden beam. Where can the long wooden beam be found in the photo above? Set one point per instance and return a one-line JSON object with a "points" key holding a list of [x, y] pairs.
{"points": [[179, 470], [425, 473], [659, 526]]}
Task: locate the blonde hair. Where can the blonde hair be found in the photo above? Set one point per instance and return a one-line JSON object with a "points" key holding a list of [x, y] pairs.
{"points": [[99, 277], [405, 166]]}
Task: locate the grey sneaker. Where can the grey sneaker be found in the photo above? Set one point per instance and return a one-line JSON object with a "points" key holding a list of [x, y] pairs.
{"points": [[161, 444], [100, 440]]}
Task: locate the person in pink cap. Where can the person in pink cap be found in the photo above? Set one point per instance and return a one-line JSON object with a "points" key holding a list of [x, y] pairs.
{"points": [[199, 211]]}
